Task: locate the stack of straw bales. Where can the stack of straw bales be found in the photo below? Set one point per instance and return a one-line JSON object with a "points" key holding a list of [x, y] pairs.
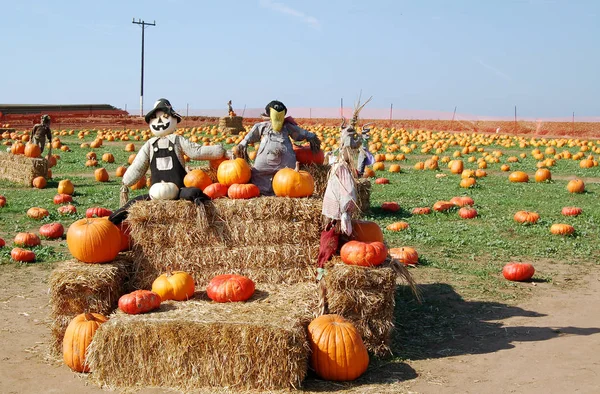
{"points": [[258, 344], [21, 169], [77, 287], [231, 124]]}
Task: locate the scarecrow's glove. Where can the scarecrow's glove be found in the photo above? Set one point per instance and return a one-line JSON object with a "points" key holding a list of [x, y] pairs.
{"points": [[242, 151], [315, 144], [346, 223]]}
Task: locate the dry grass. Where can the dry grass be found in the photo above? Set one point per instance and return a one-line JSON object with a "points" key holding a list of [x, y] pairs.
{"points": [[259, 344], [21, 169], [77, 287]]}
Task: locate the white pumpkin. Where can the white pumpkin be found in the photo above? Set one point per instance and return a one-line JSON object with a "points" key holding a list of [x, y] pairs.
{"points": [[164, 191]]}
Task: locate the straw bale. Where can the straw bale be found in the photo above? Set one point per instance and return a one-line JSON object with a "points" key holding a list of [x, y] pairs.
{"points": [[365, 296], [260, 344], [77, 287], [21, 169], [231, 124], [265, 264]]}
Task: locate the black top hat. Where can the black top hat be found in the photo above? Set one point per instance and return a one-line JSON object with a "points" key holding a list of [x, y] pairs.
{"points": [[165, 106]]}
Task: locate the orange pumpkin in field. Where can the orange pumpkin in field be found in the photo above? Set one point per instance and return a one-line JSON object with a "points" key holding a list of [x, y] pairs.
{"points": [[197, 178], [101, 175], [576, 186], [140, 184], [39, 182], [66, 187], [543, 175], [108, 158], [37, 213], [120, 171]]}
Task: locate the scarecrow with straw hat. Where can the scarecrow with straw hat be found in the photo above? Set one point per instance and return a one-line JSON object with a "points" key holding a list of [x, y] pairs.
{"points": [[40, 132], [163, 155], [275, 151]]}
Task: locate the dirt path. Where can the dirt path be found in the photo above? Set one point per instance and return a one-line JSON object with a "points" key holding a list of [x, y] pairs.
{"points": [[547, 344]]}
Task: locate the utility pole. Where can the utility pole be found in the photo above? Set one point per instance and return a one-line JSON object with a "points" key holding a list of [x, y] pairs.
{"points": [[143, 24], [391, 113]]}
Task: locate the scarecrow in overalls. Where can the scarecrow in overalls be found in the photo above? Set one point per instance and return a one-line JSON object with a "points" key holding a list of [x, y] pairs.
{"points": [[40, 132], [163, 154], [275, 151]]}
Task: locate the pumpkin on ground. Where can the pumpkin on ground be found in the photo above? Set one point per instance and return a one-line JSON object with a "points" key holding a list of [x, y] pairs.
{"points": [[65, 187], [421, 211], [230, 288], [364, 254], [52, 230], [2, 243], [390, 206], [576, 186], [382, 181], [139, 301], [366, 231], [518, 271], [468, 182], [37, 213], [197, 178], [97, 212], [571, 211], [62, 199], [562, 229], [442, 206], [67, 209], [234, 171], [337, 349], [456, 166], [2, 201], [23, 255], [164, 191], [177, 285], [94, 240], [243, 191], [101, 175], [543, 175], [397, 226], [395, 168], [462, 201], [108, 158], [467, 213], [78, 336], [518, 176], [27, 239], [39, 182], [216, 190], [406, 255], [526, 217], [120, 171], [289, 182]]}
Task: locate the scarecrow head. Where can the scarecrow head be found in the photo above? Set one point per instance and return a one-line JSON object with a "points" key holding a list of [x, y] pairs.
{"points": [[45, 120], [162, 119], [276, 111]]}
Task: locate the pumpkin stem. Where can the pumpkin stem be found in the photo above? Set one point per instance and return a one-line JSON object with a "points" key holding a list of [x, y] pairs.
{"points": [[89, 317], [297, 166]]}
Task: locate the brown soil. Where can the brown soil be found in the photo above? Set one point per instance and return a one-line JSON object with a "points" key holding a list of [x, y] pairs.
{"points": [[548, 343]]}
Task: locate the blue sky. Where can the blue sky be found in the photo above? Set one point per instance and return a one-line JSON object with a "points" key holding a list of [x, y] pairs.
{"points": [[483, 56]]}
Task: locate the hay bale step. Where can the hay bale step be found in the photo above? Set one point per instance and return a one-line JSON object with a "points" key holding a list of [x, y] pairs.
{"points": [[260, 344], [21, 169], [231, 125]]}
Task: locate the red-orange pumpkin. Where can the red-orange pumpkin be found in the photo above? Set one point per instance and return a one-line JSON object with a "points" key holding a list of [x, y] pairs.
{"points": [[37, 213], [230, 288], [39, 182], [467, 212], [94, 240], [243, 191], [382, 181], [571, 211], [421, 211], [562, 229], [518, 271], [364, 254], [216, 190], [27, 239], [462, 201], [305, 155], [526, 217], [67, 209], [442, 206], [97, 212], [405, 255], [139, 301], [390, 206], [197, 178], [23, 255], [2, 201], [62, 198], [52, 230], [126, 241]]}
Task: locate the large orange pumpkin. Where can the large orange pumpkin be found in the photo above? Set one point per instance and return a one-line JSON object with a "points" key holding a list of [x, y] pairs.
{"points": [[289, 182], [234, 171], [197, 178], [364, 254], [337, 350], [65, 187], [177, 285], [32, 150], [78, 337], [366, 231], [94, 240], [230, 288]]}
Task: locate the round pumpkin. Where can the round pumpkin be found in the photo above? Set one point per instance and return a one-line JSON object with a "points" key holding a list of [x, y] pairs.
{"points": [[97, 212], [421, 211], [562, 229], [467, 213], [65, 187], [234, 171], [131, 158], [32, 150], [62, 199], [305, 155], [67, 209], [2, 201], [337, 349], [518, 176], [130, 147], [526, 217], [543, 175], [390, 206], [462, 201], [405, 255], [518, 271], [230, 288], [382, 181], [442, 206], [366, 231], [397, 226], [289, 182], [576, 186], [139, 301], [101, 175], [178, 286], [52, 230], [164, 191], [77, 338], [364, 254], [39, 182], [120, 171], [243, 191], [571, 211], [27, 239], [37, 213], [216, 190], [197, 178], [456, 166], [108, 158], [22, 255], [91, 155], [395, 168], [94, 240]]}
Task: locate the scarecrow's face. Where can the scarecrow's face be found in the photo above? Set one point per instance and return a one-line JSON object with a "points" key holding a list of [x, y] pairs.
{"points": [[162, 124], [277, 118]]}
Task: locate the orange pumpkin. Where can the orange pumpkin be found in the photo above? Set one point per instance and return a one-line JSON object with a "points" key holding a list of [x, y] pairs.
{"points": [[543, 175], [177, 285], [197, 178], [37, 213], [395, 168], [526, 217], [243, 191], [421, 211], [562, 229], [295, 183], [39, 182], [462, 201], [442, 206], [130, 147], [120, 171], [23, 255], [337, 350], [101, 175], [576, 186], [27, 239], [216, 190], [78, 336], [32, 150], [364, 254], [140, 184], [94, 240], [571, 211], [234, 171], [397, 226], [456, 166], [366, 231], [405, 255], [518, 176], [230, 288], [467, 182], [65, 187], [108, 158]]}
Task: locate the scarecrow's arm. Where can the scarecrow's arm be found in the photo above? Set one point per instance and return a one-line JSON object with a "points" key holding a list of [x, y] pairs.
{"points": [[253, 136], [138, 168], [198, 152], [299, 134]]}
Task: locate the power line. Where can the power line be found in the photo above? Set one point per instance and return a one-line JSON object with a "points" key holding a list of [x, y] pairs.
{"points": [[143, 24]]}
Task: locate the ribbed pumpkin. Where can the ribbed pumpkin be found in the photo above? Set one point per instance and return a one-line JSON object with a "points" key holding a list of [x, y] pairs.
{"points": [[176, 285], [364, 254], [78, 337], [518, 176], [526, 217], [52, 230], [518, 271], [289, 182], [120, 171], [230, 288], [406, 255], [468, 182], [67, 209], [543, 175], [571, 211], [576, 186], [337, 350], [27, 239], [97, 212], [197, 178], [37, 213], [395, 168], [462, 201], [101, 175], [366, 231], [23, 255], [243, 191], [94, 240], [17, 148], [562, 229], [467, 213], [234, 171], [442, 206], [216, 190], [397, 226], [421, 211], [108, 158], [304, 155], [139, 301], [62, 198], [65, 187]]}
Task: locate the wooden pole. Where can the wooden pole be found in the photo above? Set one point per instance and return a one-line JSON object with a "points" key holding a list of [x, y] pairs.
{"points": [[573, 124], [391, 113], [342, 107], [453, 116], [515, 118]]}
